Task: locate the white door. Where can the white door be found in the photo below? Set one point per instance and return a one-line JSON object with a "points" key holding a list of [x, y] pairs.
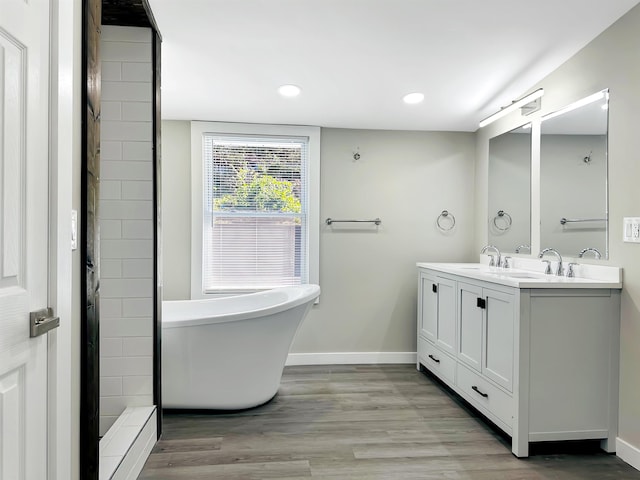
{"points": [[24, 151]]}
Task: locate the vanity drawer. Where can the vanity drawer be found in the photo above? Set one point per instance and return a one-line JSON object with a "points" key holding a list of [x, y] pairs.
{"points": [[485, 396], [437, 362]]}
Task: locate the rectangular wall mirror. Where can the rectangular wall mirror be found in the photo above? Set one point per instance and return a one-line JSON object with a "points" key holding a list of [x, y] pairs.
{"points": [[573, 178], [510, 191]]}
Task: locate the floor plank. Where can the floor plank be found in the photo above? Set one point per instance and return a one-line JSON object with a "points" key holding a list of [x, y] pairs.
{"points": [[361, 422]]}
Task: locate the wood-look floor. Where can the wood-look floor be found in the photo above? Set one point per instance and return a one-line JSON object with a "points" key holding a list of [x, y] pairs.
{"points": [[360, 423]]}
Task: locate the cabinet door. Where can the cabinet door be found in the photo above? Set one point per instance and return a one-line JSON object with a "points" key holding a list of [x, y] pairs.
{"points": [[471, 325], [428, 306], [498, 346], [446, 331]]}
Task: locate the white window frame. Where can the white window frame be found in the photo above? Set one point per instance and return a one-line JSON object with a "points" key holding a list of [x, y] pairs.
{"points": [[198, 130]]}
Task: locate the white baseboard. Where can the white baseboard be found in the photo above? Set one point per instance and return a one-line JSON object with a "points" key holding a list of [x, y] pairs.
{"points": [[350, 358], [628, 453]]}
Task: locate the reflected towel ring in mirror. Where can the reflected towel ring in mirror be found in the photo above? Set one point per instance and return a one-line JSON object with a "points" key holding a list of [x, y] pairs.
{"points": [[506, 221], [445, 215]]}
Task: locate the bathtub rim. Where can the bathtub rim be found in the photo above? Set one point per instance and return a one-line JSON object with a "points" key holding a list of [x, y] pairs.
{"points": [[295, 296]]}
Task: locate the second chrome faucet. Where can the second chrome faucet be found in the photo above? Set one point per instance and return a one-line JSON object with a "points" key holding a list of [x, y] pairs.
{"points": [[559, 269]]}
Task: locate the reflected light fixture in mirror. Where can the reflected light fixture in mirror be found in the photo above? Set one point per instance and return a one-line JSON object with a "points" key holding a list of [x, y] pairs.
{"points": [[603, 95], [527, 99]]}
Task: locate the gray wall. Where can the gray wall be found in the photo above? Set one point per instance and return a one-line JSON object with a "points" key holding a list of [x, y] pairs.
{"points": [[612, 60], [368, 275], [176, 210]]}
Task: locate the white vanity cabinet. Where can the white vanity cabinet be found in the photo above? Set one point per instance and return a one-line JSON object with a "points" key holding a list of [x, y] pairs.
{"points": [[437, 307], [486, 340], [437, 325], [540, 363]]}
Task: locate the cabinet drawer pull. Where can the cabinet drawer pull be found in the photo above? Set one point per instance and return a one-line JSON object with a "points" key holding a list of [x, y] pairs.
{"points": [[477, 390], [434, 288], [482, 303], [434, 359]]}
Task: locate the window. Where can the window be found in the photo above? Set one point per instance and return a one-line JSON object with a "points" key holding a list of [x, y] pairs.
{"points": [[256, 187]]}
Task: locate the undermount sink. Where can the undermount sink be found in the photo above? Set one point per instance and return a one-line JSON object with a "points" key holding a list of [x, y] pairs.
{"points": [[515, 274]]}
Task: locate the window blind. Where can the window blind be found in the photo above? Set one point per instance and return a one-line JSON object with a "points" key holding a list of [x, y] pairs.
{"points": [[255, 212]]}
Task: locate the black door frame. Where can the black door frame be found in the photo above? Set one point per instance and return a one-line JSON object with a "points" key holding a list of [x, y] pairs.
{"points": [[135, 13]]}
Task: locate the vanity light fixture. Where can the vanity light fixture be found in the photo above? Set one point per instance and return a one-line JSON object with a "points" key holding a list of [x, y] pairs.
{"points": [[527, 99], [289, 90], [413, 98], [580, 103]]}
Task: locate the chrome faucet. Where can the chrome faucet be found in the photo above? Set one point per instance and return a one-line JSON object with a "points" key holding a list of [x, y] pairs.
{"points": [[559, 269], [595, 251], [520, 247], [495, 260]]}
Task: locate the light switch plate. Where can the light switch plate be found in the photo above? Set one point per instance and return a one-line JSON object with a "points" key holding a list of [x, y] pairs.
{"points": [[631, 229]]}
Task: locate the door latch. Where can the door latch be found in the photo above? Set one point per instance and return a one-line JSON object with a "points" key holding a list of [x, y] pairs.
{"points": [[41, 321]]}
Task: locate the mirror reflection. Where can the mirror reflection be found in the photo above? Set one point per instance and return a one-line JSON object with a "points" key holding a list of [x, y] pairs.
{"points": [[573, 178], [510, 190]]}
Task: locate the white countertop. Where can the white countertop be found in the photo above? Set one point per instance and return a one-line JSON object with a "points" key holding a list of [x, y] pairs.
{"points": [[604, 276]]}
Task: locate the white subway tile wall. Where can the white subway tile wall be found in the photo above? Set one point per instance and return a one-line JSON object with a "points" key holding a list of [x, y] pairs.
{"points": [[137, 386], [131, 170], [140, 229], [111, 71], [111, 110], [109, 151], [137, 72], [126, 222], [126, 327], [134, 268], [138, 151], [110, 229], [111, 386], [110, 190], [110, 268], [137, 190]]}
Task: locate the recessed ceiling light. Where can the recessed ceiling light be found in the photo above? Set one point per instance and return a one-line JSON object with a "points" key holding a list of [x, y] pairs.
{"points": [[413, 98], [289, 90]]}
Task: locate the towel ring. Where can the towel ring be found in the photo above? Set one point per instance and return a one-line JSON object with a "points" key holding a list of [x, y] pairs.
{"points": [[445, 214], [507, 220]]}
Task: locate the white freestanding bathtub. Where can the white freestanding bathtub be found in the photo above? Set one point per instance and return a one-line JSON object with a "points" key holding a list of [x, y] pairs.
{"points": [[229, 353]]}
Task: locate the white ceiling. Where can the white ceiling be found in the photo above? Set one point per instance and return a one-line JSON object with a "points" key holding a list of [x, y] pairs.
{"points": [[222, 60]]}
